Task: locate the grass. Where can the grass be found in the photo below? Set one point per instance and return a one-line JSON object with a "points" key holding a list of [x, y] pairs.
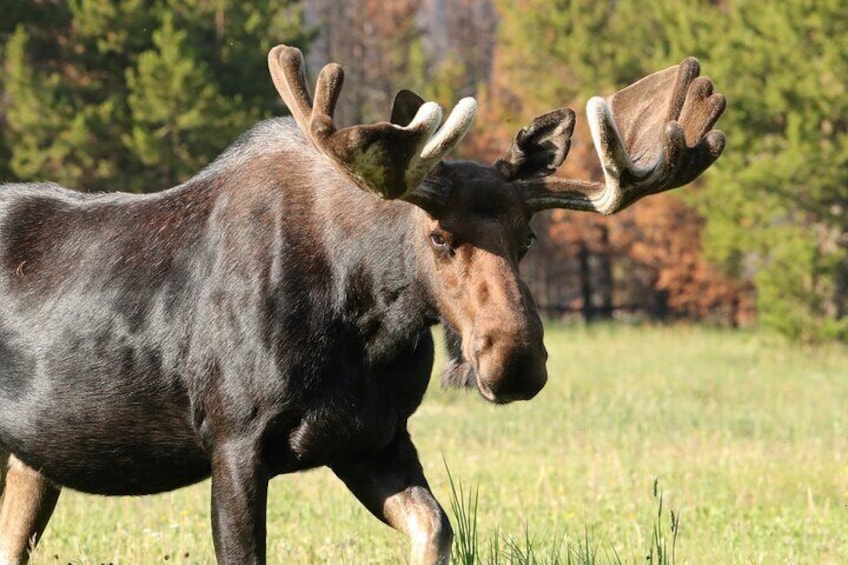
{"points": [[525, 548], [747, 436]]}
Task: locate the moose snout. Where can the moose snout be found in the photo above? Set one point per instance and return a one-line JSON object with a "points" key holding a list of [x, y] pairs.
{"points": [[509, 369]]}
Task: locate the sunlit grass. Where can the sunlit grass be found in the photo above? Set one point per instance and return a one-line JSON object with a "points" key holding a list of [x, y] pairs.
{"points": [[747, 435]]}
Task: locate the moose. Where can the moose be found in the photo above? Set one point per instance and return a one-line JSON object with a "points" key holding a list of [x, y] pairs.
{"points": [[272, 314]]}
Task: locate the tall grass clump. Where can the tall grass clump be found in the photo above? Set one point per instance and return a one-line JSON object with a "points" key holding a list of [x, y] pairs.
{"points": [[659, 552], [464, 510], [526, 549]]}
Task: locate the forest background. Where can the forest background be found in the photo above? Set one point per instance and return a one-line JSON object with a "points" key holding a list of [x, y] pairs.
{"points": [[139, 95]]}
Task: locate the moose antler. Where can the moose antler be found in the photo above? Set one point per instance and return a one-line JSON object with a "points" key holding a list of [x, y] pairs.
{"points": [[389, 159], [650, 137]]}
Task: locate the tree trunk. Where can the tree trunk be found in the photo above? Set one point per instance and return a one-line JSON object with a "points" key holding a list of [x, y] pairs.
{"points": [[661, 310], [605, 284], [840, 291], [585, 274]]}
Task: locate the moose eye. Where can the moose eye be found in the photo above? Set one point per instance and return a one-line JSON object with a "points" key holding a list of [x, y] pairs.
{"points": [[438, 241]]}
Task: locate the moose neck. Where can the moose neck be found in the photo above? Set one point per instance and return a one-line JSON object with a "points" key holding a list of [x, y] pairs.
{"points": [[376, 252], [328, 250]]}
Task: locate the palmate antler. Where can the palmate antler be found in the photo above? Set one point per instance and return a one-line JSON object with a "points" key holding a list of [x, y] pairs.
{"points": [[650, 137], [389, 159]]}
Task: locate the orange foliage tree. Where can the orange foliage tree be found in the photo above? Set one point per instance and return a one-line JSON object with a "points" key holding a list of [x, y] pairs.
{"points": [[646, 260]]}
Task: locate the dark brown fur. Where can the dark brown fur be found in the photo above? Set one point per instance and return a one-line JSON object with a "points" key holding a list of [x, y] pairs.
{"points": [[263, 313], [270, 316]]}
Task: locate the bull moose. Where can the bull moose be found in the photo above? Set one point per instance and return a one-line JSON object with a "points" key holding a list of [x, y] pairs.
{"points": [[272, 313]]}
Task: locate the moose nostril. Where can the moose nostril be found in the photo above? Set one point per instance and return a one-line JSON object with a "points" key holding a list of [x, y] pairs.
{"points": [[482, 344]]}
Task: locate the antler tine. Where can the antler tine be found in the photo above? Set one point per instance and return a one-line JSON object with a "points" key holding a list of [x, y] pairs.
{"points": [[650, 137], [289, 76], [385, 158], [444, 140], [327, 90], [452, 131]]}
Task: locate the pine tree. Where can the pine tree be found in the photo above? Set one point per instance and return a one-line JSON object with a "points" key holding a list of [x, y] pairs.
{"points": [[179, 118], [136, 95], [777, 202]]}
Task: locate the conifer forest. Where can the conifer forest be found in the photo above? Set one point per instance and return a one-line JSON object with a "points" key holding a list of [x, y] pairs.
{"points": [[139, 95]]}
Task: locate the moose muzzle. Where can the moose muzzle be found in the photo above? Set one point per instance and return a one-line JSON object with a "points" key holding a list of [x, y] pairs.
{"points": [[509, 360]]}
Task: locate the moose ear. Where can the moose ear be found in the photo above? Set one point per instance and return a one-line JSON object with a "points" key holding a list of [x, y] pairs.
{"points": [[538, 149], [405, 107]]}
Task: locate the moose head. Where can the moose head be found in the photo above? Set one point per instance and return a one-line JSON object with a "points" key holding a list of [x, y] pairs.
{"points": [[473, 226]]}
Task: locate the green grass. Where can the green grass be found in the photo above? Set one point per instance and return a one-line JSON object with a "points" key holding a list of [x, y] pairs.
{"points": [[747, 436]]}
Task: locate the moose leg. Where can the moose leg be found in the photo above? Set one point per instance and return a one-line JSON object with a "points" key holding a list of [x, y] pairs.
{"points": [[28, 503], [239, 498], [392, 486]]}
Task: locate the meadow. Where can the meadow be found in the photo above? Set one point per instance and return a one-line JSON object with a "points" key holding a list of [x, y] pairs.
{"points": [[745, 435]]}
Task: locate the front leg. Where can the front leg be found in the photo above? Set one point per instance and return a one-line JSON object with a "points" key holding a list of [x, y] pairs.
{"points": [[392, 486], [239, 499]]}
